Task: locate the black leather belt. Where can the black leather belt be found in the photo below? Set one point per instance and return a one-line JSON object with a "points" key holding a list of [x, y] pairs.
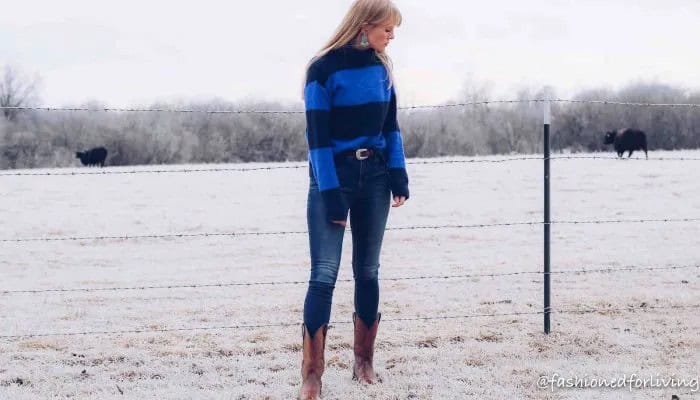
{"points": [[359, 154]]}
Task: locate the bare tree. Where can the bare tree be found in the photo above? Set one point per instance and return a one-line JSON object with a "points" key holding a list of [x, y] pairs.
{"points": [[17, 90]]}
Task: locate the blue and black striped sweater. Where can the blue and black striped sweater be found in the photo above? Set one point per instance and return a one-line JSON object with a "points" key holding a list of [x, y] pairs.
{"points": [[349, 105]]}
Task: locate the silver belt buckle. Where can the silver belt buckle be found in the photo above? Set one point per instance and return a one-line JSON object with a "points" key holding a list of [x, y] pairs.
{"points": [[362, 154]]}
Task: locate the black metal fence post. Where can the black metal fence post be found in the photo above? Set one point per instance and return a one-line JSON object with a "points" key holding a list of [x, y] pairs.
{"points": [[547, 220]]}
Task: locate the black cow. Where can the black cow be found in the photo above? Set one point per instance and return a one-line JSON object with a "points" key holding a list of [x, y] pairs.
{"points": [[627, 140], [93, 156]]}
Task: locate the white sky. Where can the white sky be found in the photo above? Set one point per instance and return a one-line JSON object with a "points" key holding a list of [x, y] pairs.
{"points": [[138, 51]]}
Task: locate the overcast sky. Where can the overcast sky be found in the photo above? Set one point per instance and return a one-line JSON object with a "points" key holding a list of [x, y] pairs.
{"points": [[132, 52]]}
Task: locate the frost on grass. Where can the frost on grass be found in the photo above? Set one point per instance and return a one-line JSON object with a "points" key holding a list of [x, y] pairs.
{"points": [[619, 329]]}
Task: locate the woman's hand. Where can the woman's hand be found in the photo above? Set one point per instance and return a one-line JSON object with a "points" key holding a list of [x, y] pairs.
{"points": [[399, 201]]}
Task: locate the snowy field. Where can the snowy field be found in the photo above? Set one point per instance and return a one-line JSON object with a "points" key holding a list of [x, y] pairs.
{"points": [[632, 327]]}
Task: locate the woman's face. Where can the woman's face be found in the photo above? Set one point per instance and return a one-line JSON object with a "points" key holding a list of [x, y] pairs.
{"points": [[380, 35]]}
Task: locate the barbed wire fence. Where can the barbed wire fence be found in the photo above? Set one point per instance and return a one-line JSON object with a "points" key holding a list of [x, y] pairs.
{"points": [[413, 107], [114, 171], [590, 310], [547, 310], [399, 228], [385, 279]]}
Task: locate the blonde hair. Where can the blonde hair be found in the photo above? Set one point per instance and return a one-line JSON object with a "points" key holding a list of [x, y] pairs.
{"points": [[361, 13]]}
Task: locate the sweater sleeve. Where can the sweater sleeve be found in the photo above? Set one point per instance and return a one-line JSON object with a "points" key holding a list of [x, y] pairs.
{"points": [[317, 101], [398, 178]]}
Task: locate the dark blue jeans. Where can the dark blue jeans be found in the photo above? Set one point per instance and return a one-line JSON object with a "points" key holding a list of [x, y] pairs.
{"points": [[364, 184]]}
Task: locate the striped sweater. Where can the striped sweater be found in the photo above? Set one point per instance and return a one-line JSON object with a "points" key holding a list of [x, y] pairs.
{"points": [[349, 106]]}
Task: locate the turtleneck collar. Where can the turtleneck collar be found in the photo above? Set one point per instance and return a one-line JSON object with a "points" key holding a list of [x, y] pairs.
{"points": [[350, 46]]}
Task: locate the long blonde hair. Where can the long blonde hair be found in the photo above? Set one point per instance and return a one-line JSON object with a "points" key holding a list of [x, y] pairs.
{"points": [[361, 13]]}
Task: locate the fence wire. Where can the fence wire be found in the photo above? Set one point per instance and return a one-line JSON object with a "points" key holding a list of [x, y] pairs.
{"points": [[627, 103], [621, 158], [389, 279], [589, 310], [249, 169], [110, 171], [283, 112], [284, 233]]}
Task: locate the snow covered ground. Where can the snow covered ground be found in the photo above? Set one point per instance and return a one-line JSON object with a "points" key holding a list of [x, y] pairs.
{"points": [[498, 357]]}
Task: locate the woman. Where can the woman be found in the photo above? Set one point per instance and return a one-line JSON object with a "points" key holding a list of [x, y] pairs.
{"points": [[357, 165]]}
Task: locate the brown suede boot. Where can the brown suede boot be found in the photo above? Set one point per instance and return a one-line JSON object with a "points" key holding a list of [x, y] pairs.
{"points": [[363, 371], [313, 363]]}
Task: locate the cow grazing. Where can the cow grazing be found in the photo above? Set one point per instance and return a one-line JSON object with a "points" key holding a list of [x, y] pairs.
{"points": [[93, 156], [627, 140]]}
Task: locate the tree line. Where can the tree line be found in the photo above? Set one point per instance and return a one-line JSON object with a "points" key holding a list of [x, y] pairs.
{"points": [[33, 139]]}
